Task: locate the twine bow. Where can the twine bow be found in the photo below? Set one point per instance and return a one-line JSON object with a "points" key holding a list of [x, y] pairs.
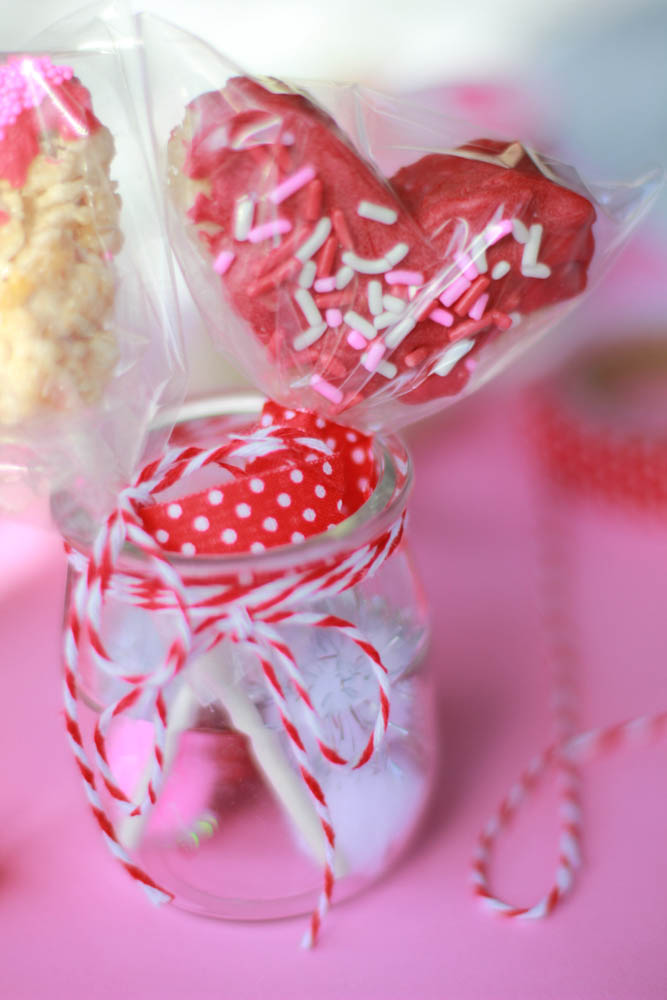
{"points": [[203, 611]]}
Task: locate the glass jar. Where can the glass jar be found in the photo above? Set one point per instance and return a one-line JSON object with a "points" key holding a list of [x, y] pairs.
{"points": [[235, 831]]}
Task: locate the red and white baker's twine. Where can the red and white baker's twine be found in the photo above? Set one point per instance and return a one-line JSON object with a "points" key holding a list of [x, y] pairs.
{"points": [[579, 465], [206, 612]]}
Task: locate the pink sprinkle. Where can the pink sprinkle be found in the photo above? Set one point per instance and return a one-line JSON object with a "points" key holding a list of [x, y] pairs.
{"points": [[404, 278], [478, 308], [277, 227], [497, 230], [325, 284], [292, 184], [466, 266], [457, 288], [334, 317], [355, 340], [441, 316], [470, 364], [327, 390], [374, 355], [223, 261]]}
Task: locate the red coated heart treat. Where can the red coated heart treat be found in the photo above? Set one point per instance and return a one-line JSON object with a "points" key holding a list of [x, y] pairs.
{"points": [[288, 477], [359, 290]]}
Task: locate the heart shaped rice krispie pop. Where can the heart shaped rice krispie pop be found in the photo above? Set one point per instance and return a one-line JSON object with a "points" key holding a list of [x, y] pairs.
{"points": [[357, 291], [58, 233]]}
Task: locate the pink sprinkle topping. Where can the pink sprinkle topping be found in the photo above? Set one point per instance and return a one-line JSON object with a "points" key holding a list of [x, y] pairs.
{"points": [[355, 340], [327, 390], [374, 355], [466, 266], [334, 317], [441, 316], [497, 230], [325, 284], [455, 290], [404, 278], [478, 308], [223, 261], [277, 227], [292, 184]]}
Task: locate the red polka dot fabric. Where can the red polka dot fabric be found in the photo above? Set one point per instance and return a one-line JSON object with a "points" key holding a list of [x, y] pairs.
{"points": [[319, 474]]}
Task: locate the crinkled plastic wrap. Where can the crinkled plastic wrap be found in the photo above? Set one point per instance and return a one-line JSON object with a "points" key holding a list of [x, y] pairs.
{"points": [[370, 261], [89, 342]]}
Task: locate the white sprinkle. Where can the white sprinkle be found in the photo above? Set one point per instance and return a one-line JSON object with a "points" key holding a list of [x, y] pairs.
{"points": [[188, 549], [309, 336], [284, 499], [296, 475], [397, 253], [309, 514], [364, 484], [344, 276], [320, 491], [256, 547], [297, 537], [326, 469], [201, 523], [532, 247], [515, 317], [308, 272], [228, 536], [358, 455], [257, 485], [314, 241], [452, 355], [266, 420], [398, 333], [162, 536], [375, 297], [500, 269], [386, 368], [289, 414], [270, 524], [291, 184], [383, 320], [308, 307], [215, 498], [393, 303], [357, 322], [244, 211], [351, 437], [536, 271], [339, 505], [519, 231], [364, 265], [174, 511], [243, 510], [530, 267], [378, 213]]}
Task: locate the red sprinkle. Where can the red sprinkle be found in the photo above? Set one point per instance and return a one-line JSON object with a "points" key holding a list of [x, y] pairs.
{"points": [[314, 200], [468, 299], [326, 258], [342, 231]]}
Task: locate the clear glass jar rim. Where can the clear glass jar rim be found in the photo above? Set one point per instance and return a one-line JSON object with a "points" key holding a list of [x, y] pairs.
{"points": [[382, 509]]}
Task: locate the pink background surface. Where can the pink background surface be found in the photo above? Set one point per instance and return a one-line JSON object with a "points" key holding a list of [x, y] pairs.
{"points": [[74, 925]]}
